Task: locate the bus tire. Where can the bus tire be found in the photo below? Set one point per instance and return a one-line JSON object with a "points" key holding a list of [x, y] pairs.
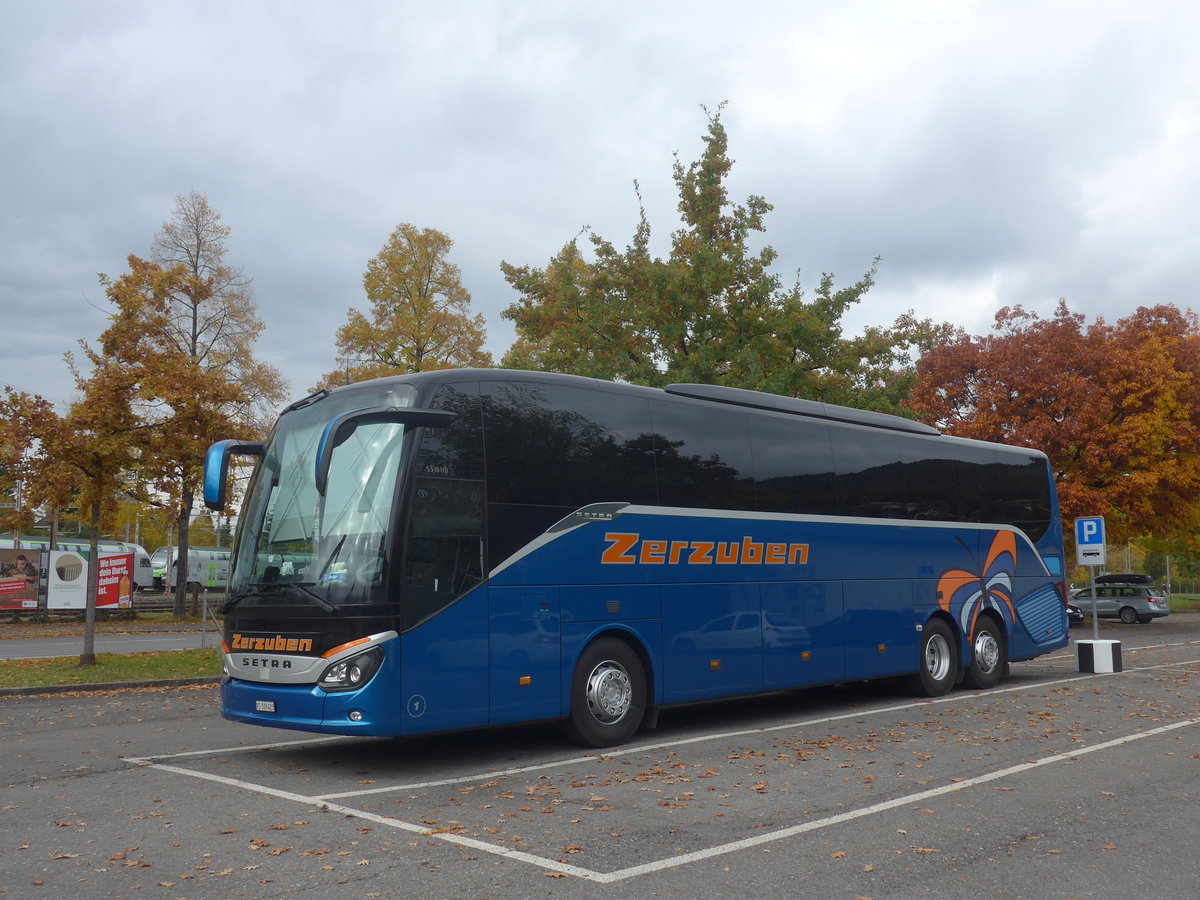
{"points": [[608, 694], [989, 652], [937, 663]]}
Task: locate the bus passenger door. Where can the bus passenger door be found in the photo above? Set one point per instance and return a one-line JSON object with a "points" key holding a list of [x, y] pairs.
{"points": [[525, 651], [443, 669]]}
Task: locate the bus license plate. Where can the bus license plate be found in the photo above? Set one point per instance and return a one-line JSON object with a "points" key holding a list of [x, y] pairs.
{"points": [[264, 706]]}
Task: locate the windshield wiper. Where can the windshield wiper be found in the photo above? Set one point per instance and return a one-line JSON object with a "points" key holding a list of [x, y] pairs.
{"points": [[267, 588]]}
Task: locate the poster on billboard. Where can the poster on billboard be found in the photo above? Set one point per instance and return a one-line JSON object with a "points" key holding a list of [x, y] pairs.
{"points": [[19, 570], [114, 587], [67, 581]]}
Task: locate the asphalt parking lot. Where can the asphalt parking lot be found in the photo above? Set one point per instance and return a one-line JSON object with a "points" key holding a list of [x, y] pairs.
{"points": [[1054, 785]]}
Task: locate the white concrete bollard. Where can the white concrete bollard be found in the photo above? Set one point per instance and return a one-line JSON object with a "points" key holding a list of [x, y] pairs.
{"points": [[1098, 657]]}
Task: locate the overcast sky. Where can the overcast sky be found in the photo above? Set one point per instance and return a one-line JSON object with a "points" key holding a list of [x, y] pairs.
{"points": [[990, 153]]}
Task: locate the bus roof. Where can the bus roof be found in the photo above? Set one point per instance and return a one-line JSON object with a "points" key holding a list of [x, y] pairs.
{"points": [[707, 392], [704, 393]]}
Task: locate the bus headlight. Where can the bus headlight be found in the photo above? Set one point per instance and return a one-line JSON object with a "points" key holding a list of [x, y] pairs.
{"points": [[351, 674]]}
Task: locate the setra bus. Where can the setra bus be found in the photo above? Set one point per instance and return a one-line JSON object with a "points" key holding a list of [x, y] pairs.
{"points": [[464, 548]]}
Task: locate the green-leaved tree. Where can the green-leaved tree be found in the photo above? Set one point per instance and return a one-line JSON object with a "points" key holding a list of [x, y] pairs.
{"points": [[712, 311]]}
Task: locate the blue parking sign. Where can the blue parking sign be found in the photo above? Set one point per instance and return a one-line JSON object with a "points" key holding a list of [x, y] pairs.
{"points": [[1090, 544]]}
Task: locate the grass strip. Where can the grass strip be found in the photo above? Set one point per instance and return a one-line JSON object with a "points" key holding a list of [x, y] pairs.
{"points": [[110, 667]]}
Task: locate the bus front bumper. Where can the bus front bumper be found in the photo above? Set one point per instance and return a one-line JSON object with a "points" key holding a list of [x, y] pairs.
{"points": [[304, 707]]}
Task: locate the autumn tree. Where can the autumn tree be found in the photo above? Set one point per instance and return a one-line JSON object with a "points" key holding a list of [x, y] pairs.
{"points": [[1116, 407], [712, 311], [208, 338], [420, 315], [80, 459], [20, 413]]}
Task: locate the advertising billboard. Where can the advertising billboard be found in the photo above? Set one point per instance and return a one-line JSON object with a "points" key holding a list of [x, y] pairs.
{"points": [[67, 581], [19, 572]]}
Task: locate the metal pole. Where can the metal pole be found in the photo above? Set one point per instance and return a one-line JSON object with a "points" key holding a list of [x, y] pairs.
{"points": [[1095, 618]]}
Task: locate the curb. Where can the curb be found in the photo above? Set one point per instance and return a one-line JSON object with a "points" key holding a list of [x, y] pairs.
{"points": [[105, 686]]}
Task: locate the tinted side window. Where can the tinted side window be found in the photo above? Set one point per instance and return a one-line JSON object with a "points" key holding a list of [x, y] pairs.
{"points": [[457, 450], [869, 477], [566, 446], [978, 479], [702, 456], [1027, 494], [929, 482], [793, 466], [998, 486]]}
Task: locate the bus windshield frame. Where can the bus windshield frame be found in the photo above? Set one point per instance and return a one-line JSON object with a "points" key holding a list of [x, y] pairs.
{"points": [[297, 544]]}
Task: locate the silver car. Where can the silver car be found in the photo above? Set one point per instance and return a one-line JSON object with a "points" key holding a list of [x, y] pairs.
{"points": [[1128, 602]]}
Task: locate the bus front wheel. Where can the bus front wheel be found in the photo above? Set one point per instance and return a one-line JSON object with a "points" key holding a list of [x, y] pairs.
{"points": [[938, 661], [608, 695]]}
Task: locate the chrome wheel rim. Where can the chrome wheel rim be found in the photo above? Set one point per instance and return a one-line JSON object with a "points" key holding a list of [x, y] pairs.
{"points": [[609, 692], [987, 652], [937, 657]]}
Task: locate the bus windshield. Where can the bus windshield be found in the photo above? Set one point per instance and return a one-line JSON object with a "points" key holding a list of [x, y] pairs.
{"points": [[295, 545]]}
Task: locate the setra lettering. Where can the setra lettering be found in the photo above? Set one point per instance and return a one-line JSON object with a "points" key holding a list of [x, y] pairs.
{"points": [[266, 662]]}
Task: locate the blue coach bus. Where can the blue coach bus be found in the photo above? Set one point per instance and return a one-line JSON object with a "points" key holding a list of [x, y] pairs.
{"points": [[464, 548]]}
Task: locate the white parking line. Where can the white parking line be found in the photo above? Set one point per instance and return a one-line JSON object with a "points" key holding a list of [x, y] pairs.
{"points": [[390, 822], [840, 818], [240, 748], [682, 859], [327, 801]]}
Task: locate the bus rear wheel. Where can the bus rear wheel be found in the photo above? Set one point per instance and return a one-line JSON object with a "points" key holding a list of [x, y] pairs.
{"points": [[608, 695], [988, 654], [938, 661]]}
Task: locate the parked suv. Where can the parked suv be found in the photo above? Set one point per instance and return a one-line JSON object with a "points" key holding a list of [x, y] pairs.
{"points": [[1128, 602]]}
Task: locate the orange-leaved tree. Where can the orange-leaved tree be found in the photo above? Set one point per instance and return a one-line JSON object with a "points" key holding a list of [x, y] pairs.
{"points": [[420, 313], [20, 415], [82, 459], [1116, 407], [182, 402], [207, 341]]}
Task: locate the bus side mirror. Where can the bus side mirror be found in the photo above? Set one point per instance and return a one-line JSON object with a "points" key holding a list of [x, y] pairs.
{"points": [[338, 431], [216, 468]]}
